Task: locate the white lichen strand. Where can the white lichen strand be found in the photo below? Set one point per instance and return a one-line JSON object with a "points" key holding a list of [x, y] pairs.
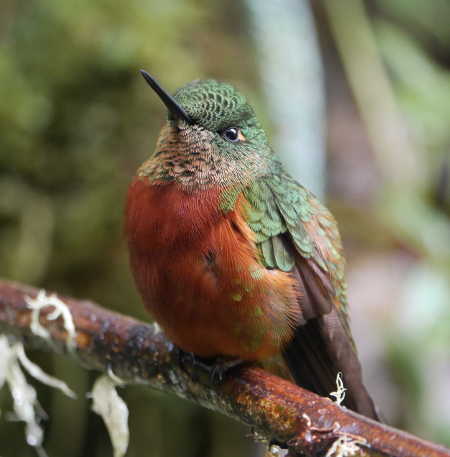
{"points": [[346, 446], [43, 300], [5, 355], [25, 403], [339, 394], [277, 451], [24, 395], [114, 412], [37, 373], [156, 328], [114, 378], [307, 419]]}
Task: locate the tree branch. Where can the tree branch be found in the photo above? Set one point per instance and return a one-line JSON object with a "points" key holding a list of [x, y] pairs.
{"points": [[139, 353]]}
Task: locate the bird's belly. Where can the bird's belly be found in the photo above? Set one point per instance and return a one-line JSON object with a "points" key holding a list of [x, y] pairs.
{"points": [[203, 283], [216, 311]]}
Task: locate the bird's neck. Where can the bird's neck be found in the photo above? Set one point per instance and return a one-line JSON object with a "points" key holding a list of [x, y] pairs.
{"points": [[193, 160]]}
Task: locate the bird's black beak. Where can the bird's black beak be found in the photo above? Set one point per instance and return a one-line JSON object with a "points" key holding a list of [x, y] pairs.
{"points": [[174, 108]]}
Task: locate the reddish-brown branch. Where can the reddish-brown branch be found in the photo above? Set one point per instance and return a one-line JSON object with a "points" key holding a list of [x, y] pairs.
{"points": [[139, 353]]}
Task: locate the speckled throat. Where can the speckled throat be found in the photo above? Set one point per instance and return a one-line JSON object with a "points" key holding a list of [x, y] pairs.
{"points": [[190, 156]]}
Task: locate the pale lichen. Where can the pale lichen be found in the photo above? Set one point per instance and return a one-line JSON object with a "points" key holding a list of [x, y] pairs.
{"points": [[37, 373], [277, 451], [156, 328], [113, 410], [346, 446], [339, 394], [307, 419], [114, 378], [42, 301], [25, 403]]}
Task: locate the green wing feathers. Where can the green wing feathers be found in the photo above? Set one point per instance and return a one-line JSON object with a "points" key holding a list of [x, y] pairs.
{"points": [[296, 233], [293, 228]]}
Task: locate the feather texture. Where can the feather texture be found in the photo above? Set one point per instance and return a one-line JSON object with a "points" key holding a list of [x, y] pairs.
{"points": [[231, 255], [296, 233]]}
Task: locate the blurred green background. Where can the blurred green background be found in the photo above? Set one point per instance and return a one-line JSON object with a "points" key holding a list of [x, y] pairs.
{"points": [[76, 120]]}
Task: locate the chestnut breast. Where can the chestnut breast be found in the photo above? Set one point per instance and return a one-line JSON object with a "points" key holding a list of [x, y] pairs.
{"points": [[198, 272]]}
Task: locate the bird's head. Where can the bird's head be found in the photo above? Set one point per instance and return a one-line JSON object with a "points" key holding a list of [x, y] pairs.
{"points": [[212, 136]]}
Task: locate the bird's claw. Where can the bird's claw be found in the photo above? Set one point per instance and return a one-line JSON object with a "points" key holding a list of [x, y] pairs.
{"points": [[215, 368], [221, 367]]}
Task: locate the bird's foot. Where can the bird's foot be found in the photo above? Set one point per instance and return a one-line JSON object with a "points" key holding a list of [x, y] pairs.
{"points": [[221, 367], [209, 370]]}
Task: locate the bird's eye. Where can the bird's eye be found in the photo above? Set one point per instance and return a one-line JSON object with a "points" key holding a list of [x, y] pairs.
{"points": [[232, 134]]}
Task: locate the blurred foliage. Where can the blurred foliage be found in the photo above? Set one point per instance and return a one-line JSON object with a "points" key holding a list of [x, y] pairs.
{"points": [[76, 120]]}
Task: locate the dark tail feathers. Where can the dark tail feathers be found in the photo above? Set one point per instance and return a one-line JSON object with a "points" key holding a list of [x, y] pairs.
{"points": [[319, 351]]}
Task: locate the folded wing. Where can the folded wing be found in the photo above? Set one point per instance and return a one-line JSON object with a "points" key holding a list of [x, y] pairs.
{"points": [[296, 233]]}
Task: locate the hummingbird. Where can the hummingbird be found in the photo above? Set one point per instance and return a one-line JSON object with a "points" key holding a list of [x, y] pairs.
{"points": [[232, 257]]}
